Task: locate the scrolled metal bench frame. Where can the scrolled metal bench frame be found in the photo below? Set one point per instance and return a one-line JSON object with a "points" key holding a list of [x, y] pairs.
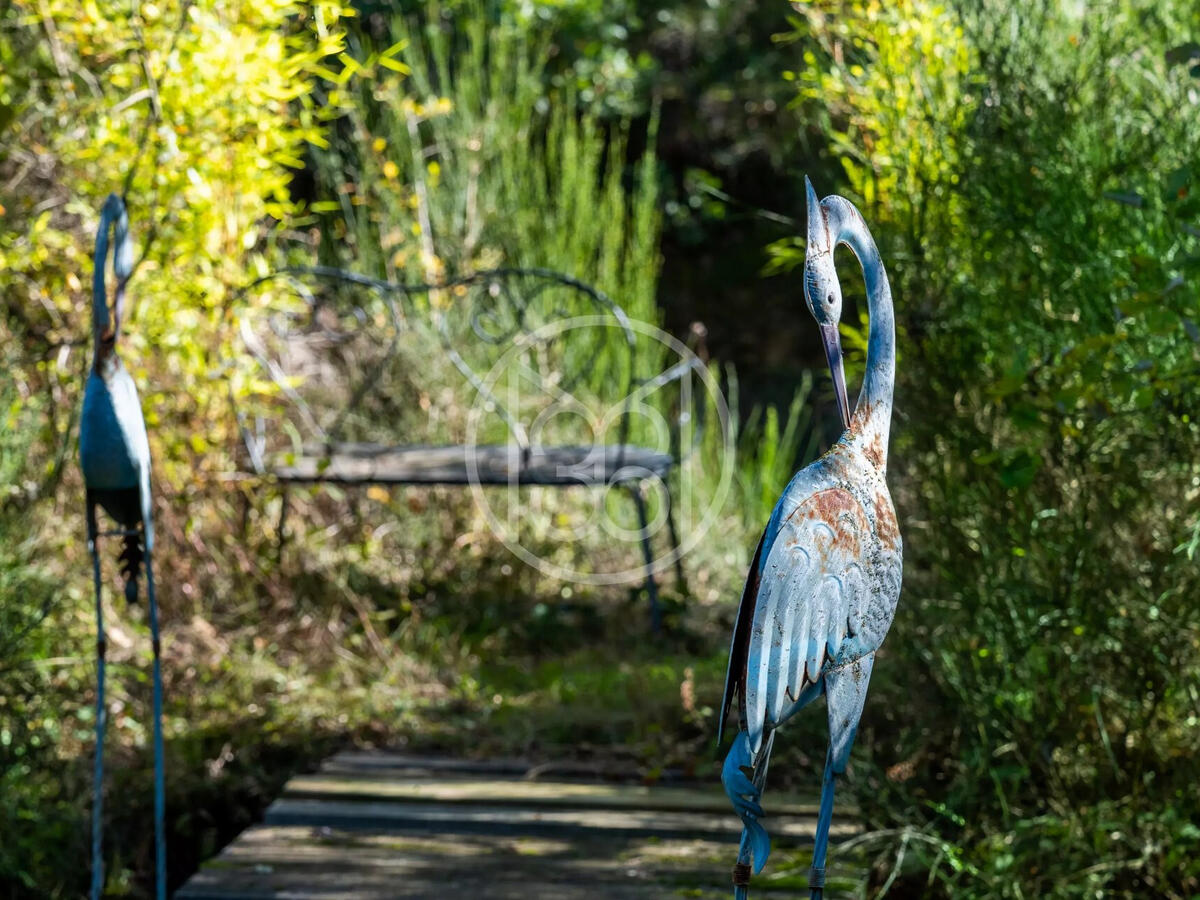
{"points": [[501, 309]]}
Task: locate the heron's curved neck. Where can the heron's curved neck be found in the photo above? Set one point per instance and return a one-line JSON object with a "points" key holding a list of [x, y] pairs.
{"points": [[101, 318], [106, 323], [873, 411]]}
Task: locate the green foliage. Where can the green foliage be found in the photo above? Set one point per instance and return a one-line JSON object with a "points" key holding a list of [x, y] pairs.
{"points": [[203, 159], [36, 812], [134, 98], [1029, 170], [472, 163], [767, 451]]}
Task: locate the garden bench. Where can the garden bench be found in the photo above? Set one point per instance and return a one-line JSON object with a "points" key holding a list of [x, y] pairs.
{"points": [[327, 389]]}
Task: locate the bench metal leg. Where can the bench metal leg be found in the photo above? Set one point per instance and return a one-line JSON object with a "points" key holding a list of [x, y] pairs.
{"points": [[680, 580], [245, 491], [647, 552], [280, 533]]}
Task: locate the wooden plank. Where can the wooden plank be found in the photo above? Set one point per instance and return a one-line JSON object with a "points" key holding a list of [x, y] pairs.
{"points": [[355, 760], [349, 786], [557, 770], [303, 863], [472, 818], [295, 862]]}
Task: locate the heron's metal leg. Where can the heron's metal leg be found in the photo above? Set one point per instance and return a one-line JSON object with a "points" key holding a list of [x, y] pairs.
{"points": [[160, 801], [845, 692], [764, 761], [647, 552], [742, 869], [808, 694], [101, 716], [816, 875]]}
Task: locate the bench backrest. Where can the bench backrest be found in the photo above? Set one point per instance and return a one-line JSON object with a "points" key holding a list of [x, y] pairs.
{"points": [[339, 357]]}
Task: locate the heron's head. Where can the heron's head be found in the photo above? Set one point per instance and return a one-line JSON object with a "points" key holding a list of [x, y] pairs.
{"points": [[823, 293], [114, 211]]}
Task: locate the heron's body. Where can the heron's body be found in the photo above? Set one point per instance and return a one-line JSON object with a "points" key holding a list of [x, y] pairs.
{"points": [[823, 589], [114, 453], [823, 586]]}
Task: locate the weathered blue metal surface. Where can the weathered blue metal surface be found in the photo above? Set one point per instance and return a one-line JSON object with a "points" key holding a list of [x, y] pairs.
{"points": [[822, 590], [114, 453]]}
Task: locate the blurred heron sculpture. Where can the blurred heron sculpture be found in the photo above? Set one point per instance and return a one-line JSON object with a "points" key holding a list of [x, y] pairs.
{"points": [[822, 589], [115, 457]]}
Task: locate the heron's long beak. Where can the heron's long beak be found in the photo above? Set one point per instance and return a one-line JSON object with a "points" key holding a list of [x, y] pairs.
{"points": [[118, 307], [833, 353]]}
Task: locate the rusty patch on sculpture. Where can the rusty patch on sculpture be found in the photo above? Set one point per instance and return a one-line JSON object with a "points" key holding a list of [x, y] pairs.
{"points": [[873, 450], [829, 505], [886, 526], [860, 418], [832, 508]]}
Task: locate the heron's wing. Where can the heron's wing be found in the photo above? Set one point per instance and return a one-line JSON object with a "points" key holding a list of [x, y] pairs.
{"points": [[736, 671], [129, 413], [128, 406], [826, 593]]}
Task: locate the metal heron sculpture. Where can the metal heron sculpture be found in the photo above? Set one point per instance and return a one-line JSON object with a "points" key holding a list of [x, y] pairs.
{"points": [[822, 589], [115, 456]]}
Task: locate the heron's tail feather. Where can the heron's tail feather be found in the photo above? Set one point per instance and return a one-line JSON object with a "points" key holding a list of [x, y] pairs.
{"points": [[760, 844], [130, 561], [745, 791]]}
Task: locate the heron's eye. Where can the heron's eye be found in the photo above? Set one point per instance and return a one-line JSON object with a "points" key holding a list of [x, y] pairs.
{"points": [[829, 299]]}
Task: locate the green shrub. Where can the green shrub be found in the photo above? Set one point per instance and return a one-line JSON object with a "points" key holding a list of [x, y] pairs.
{"points": [[1029, 173], [100, 97]]}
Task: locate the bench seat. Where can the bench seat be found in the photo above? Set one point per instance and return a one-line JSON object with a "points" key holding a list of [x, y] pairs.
{"points": [[489, 464]]}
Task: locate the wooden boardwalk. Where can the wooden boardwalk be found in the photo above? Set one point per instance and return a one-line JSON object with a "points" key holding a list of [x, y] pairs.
{"points": [[383, 826]]}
